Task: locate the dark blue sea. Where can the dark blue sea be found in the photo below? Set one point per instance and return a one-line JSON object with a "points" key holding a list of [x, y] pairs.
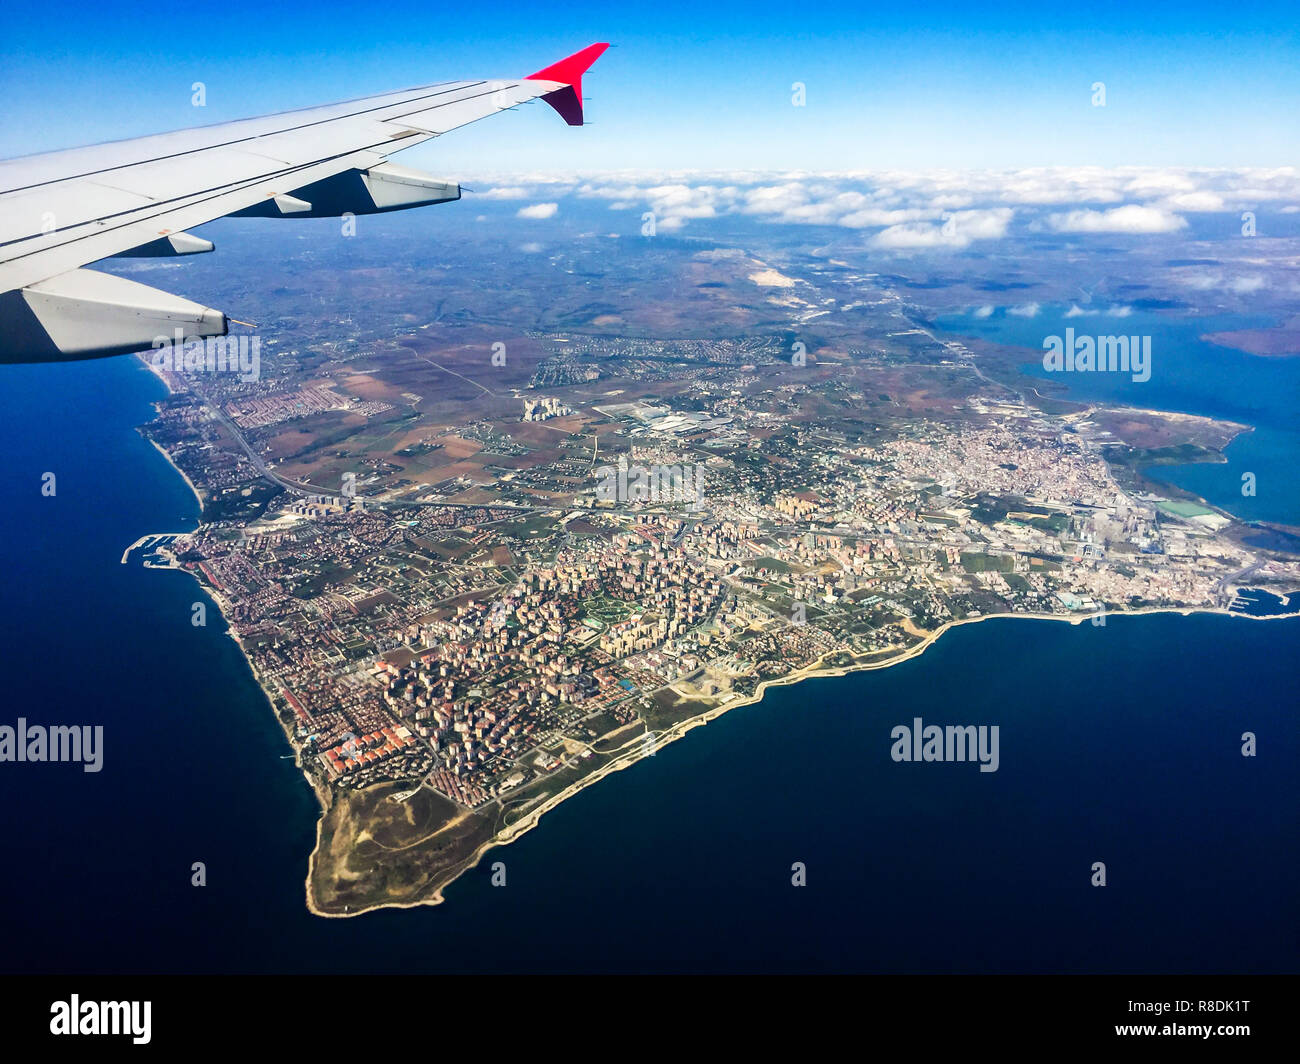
{"points": [[1119, 744]]}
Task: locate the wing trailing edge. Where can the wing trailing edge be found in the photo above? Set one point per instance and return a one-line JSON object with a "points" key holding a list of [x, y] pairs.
{"points": [[88, 314]]}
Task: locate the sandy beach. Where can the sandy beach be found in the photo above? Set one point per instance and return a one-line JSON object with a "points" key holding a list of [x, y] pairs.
{"points": [[197, 497]]}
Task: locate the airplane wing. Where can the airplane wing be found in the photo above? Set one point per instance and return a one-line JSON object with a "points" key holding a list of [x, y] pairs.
{"points": [[61, 211]]}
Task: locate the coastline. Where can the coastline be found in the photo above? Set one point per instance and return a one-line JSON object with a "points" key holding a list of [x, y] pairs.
{"points": [[676, 731], [634, 749], [168, 458], [164, 379]]}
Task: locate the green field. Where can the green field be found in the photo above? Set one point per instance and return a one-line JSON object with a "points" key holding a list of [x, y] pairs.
{"points": [[975, 562]]}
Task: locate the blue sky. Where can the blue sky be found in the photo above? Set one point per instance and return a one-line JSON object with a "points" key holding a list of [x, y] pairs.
{"points": [[695, 85]]}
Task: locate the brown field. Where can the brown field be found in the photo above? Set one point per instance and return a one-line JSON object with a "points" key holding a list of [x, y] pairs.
{"points": [[375, 851], [1280, 342]]}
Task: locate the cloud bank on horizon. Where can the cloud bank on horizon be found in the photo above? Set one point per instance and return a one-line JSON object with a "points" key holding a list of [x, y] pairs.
{"points": [[902, 211]]}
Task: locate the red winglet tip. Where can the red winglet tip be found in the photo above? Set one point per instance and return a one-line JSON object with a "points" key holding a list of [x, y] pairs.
{"points": [[570, 69], [568, 100]]}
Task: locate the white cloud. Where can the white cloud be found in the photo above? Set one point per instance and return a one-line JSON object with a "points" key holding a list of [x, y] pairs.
{"points": [[1130, 218], [1159, 183], [1077, 311], [1046, 186], [1201, 282], [1209, 280], [910, 237], [538, 210], [774, 198], [874, 217], [1194, 201], [983, 225], [985, 311], [909, 208], [956, 231], [674, 204], [1025, 310]]}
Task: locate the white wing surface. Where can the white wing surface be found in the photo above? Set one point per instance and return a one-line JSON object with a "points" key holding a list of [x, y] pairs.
{"points": [[61, 211]]}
